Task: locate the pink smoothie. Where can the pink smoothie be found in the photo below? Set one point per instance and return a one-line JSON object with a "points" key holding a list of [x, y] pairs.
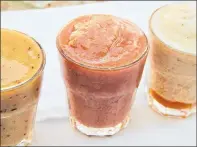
{"points": [[102, 59]]}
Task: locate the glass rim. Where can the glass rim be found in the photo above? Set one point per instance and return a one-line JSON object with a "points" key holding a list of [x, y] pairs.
{"points": [[103, 68], [163, 42], [37, 73]]}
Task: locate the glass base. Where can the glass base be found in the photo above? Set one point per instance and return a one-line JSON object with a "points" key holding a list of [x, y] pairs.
{"points": [[170, 112], [26, 141], [89, 131]]}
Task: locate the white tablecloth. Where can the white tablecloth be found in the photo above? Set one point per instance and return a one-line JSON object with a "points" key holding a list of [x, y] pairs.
{"points": [[52, 126]]}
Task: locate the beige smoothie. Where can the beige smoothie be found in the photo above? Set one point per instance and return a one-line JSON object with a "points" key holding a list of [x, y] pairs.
{"points": [[22, 63], [173, 59]]}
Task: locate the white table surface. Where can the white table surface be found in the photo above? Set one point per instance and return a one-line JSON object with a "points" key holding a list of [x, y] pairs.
{"points": [[52, 126]]}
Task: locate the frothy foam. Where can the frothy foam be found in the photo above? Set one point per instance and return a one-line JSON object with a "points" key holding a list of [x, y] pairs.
{"points": [[21, 57], [175, 25], [103, 41]]}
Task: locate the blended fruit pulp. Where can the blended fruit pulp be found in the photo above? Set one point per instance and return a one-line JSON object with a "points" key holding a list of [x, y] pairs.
{"points": [[21, 58], [102, 58]]}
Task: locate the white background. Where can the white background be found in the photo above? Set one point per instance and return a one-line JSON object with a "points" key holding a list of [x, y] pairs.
{"points": [[52, 126]]}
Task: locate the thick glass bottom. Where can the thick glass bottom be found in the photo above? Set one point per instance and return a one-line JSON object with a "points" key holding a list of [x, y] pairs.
{"points": [[170, 112], [90, 131], [26, 141]]}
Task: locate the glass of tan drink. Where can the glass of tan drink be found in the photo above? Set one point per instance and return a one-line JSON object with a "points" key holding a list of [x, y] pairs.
{"points": [[22, 65], [102, 58], [172, 79]]}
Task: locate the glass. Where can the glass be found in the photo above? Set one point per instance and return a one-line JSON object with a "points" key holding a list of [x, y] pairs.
{"points": [[100, 99], [18, 106], [172, 75]]}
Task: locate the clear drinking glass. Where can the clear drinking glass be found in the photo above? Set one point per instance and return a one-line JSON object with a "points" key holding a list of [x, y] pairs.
{"points": [[100, 99], [19, 102], [172, 76]]}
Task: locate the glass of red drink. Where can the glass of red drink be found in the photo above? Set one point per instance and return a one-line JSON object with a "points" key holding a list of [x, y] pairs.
{"points": [[102, 59]]}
